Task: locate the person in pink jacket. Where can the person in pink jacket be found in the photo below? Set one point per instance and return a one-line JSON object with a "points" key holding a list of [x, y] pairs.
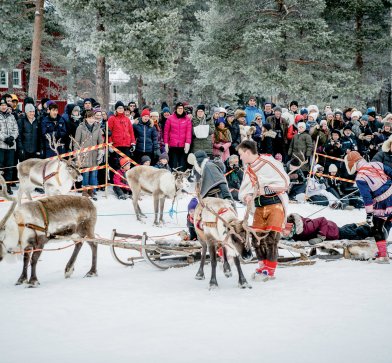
{"points": [[178, 137]]}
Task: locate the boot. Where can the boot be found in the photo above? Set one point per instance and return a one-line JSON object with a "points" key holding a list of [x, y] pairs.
{"points": [[382, 256], [9, 190], [266, 271]]}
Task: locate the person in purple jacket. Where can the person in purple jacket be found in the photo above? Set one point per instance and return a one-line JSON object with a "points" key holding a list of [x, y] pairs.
{"points": [[320, 229], [178, 137]]}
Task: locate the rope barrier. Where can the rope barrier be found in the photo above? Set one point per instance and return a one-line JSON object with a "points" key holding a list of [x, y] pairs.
{"points": [[329, 157], [83, 150], [332, 177]]}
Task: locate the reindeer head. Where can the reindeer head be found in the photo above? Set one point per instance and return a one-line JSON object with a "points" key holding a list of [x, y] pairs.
{"points": [[181, 181], [73, 170]]}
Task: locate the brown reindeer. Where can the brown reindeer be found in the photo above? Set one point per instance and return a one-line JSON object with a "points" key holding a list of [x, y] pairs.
{"points": [[159, 183], [31, 225]]}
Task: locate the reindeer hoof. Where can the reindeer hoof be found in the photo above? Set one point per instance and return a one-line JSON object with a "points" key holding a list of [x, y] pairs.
{"points": [[33, 284], [244, 285], [213, 286], [21, 281], [228, 273], [68, 273], [143, 215], [91, 274], [199, 276]]}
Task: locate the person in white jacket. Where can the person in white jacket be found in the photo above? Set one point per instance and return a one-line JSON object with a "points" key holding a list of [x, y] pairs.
{"points": [[265, 184]]}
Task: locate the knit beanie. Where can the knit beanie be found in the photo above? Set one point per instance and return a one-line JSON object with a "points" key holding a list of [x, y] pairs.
{"points": [[29, 107], [200, 107], [118, 104], [193, 204], [144, 159], [301, 124], [165, 109], [145, 112], [333, 168]]}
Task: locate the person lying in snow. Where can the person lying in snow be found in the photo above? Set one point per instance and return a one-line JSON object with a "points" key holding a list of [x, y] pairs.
{"points": [[318, 230]]}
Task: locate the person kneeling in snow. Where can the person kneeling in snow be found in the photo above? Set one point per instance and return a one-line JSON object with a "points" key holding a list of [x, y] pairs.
{"points": [[121, 189], [318, 230], [375, 185]]}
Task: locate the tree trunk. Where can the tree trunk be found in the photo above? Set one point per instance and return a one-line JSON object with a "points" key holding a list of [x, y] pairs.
{"points": [[36, 49], [101, 80], [140, 98], [359, 40]]}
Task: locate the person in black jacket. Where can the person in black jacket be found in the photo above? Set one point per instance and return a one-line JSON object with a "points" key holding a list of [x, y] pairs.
{"points": [[234, 128], [29, 141], [234, 175], [385, 154]]}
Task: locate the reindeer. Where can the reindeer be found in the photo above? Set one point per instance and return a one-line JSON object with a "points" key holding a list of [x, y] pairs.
{"points": [[30, 226], [246, 132], [159, 183], [56, 176]]}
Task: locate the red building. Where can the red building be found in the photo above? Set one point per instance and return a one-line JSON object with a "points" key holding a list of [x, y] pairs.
{"points": [[16, 81]]}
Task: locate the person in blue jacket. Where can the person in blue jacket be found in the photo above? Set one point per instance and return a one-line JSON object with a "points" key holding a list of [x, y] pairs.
{"points": [[251, 111]]}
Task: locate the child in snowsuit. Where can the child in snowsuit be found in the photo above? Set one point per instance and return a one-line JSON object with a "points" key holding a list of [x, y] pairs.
{"points": [[121, 189], [189, 219]]}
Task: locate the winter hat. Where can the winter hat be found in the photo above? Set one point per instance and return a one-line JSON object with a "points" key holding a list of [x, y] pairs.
{"points": [[386, 146], [304, 111], [294, 103], [298, 118], [29, 107], [145, 112], [220, 120], [50, 103], [179, 104], [278, 109], [365, 118], [267, 127], [387, 123], [200, 107], [29, 100], [239, 113], [221, 110], [372, 114], [3, 101], [356, 114], [164, 156], [338, 112], [118, 104], [387, 117], [230, 113], [44, 100], [193, 204], [233, 157], [144, 159], [368, 132], [76, 108], [197, 157], [278, 157], [88, 100], [329, 113], [124, 161], [350, 161], [334, 131], [323, 122], [313, 115], [301, 124], [257, 115], [165, 109], [333, 168], [347, 127]]}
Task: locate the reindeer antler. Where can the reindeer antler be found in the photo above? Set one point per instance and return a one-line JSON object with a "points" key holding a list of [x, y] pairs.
{"points": [[81, 157], [302, 161], [54, 144]]}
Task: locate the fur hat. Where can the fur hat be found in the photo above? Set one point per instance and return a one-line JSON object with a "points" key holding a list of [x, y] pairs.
{"points": [[333, 168], [386, 123], [239, 113], [350, 160], [222, 110], [386, 146], [29, 107], [154, 113], [387, 117]]}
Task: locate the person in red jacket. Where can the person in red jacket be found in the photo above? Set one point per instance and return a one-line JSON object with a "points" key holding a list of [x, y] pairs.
{"points": [[178, 137], [121, 129], [293, 130]]}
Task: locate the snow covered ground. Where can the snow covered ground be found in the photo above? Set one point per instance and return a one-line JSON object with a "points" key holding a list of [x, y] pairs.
{"points": [[329, 312]]}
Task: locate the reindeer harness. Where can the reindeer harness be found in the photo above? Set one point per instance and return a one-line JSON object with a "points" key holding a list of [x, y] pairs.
{"points": [[35, 227], [56, 173]]}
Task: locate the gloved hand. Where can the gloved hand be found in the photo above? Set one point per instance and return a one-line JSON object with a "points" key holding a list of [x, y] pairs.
{"points": [[315, 241], [186, 148], [369, 219], [132, 149], [9, 141], [157, 153], [166, 148], [221, 148]]}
